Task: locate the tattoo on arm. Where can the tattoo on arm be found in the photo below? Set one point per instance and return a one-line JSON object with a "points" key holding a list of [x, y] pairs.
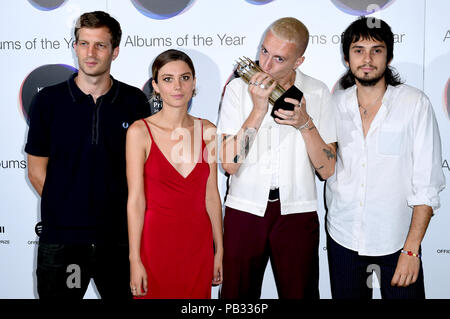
{"points": [[225, 137], [248, 138], [245, 140], [246, 145], [329, 153]]}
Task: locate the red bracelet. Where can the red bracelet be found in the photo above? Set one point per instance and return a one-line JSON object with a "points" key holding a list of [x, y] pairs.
{"points": [[410, 253]]}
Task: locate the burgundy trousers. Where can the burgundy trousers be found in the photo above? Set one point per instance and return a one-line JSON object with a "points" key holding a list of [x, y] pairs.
{"points": [[290, 241]]}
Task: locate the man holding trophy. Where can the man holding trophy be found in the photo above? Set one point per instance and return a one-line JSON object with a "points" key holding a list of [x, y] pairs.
{"points": [[277, 129]]}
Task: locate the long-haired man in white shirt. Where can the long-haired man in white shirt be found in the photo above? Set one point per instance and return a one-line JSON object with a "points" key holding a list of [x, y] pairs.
{"points": [[271, 202], [388, 172]]}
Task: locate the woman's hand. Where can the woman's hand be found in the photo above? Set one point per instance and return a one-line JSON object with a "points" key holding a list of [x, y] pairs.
{"points": [[218, 272], [138, 279]]}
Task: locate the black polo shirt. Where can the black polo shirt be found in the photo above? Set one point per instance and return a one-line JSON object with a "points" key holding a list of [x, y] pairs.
{"points": [[84, 199]]}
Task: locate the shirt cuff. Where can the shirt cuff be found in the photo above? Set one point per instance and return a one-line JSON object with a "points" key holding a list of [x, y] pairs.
{"points": [[427, 197]]}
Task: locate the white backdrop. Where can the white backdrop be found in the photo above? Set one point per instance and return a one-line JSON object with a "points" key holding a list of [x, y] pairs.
{"points": [[36, 33]]}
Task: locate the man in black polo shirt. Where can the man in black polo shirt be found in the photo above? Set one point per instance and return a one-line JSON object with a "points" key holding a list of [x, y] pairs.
{"points": [[76, 162]]}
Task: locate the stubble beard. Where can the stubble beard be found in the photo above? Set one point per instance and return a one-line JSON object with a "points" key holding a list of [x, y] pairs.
{"points": [[371, 81]]}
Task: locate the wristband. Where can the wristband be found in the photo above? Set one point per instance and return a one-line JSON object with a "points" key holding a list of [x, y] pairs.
{"points": [[306, 125], [410, 253]]}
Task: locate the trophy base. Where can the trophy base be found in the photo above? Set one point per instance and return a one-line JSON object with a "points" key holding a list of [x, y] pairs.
{"points": [[294, 93]]}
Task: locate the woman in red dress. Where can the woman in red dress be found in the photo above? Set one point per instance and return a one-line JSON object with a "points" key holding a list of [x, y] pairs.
{"points": [[174, 207]]}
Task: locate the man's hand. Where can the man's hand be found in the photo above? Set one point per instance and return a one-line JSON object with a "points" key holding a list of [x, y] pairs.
{"points": [[407, 271], [260, 87], [297, 118]]}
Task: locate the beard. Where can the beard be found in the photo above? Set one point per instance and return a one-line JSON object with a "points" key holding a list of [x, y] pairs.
{"points": [[369, 81]]}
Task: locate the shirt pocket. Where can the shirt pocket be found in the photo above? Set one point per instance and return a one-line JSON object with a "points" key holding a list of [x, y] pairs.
{"points": [[391, 141]]}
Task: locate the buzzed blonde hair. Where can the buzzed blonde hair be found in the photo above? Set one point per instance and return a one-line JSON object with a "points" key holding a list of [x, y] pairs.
{"points": [[291, 30]]}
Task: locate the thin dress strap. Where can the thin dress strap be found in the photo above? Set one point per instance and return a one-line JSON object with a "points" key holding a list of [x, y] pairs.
{"points": [[201, 122], [148, 128]]}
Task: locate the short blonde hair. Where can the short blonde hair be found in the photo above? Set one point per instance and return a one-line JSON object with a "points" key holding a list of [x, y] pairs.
{"points": [[291, 30]]}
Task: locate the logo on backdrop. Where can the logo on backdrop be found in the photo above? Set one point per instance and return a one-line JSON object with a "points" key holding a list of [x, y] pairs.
{"points": [[162, 9], [258, 2], [362, 7], [3, 241], [46, 75], [155, 103], [46, 5], [38, 229], [446, 99]]}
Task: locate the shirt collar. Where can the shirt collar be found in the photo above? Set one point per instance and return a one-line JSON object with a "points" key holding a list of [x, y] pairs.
{"points": [[78, 95], [299, 78]]}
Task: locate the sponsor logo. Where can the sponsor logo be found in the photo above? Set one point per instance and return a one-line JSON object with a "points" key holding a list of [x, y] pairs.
{"points": [[362, 7], [3, 241], [162, 9], [46, 75], [38, 228], [155, 103], [46, 5], [443, 251]]}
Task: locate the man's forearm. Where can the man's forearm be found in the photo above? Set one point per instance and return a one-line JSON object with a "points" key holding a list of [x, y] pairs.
{"points": [[322, 156], [235, 148], [37, 172], [419, 224]]}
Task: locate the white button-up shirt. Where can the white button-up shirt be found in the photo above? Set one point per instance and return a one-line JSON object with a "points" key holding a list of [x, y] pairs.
{"points": [[249, 187], [378, 179]]}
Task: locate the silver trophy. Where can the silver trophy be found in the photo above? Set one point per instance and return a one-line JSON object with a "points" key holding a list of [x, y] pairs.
{"points": [[246, 68]]}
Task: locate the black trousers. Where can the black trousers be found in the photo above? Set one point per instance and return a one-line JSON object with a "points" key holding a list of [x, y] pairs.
{"points": [[351, 275], [64, 270]]}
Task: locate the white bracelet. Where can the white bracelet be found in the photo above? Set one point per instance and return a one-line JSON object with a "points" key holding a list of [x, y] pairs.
{"points": [[306, 125]]}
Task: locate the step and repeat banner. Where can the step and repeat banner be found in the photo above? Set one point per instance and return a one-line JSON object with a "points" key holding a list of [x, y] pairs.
{"points": [[36, 50]]}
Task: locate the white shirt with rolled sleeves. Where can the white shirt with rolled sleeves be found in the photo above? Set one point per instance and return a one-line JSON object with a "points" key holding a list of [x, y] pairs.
{"points": [[378, 179], [249, 187]]}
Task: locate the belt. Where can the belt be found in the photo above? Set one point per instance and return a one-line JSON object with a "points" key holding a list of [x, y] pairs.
{"points": [[274, 195]]}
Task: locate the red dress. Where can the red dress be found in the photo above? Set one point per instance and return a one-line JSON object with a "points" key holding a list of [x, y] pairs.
{"points": [[176, 244]]}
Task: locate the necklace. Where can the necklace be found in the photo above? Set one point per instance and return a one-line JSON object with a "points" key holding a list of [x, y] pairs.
{"points": [[365, 109]]}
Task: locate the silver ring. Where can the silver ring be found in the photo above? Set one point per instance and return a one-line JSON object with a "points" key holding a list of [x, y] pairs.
{"points": [[256, 83], [262, 86]]}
